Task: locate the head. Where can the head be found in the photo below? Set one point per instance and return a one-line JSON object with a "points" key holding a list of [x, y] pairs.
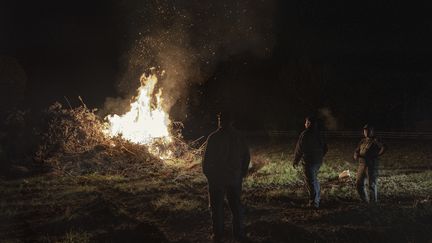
{"points": [[368, 131], [311, 122]]}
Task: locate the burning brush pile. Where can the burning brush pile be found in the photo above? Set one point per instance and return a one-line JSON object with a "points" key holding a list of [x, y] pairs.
{"points": [[76, 141]]}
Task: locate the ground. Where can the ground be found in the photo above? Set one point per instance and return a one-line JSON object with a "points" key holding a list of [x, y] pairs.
{"points": [[169, 204]]}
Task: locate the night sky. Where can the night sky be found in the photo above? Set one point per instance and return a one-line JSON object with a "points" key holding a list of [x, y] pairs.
{"points": [[270, 62]]}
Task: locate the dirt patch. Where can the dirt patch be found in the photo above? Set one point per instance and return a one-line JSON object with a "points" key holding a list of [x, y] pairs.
{"points": [[143, 232], [102, 215]]}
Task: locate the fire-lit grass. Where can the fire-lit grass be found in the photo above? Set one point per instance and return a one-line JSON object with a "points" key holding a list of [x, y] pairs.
{"points": [[273, 174], [173, 198], [407, 185], [177, 203], [399, 176], [76, 236]]}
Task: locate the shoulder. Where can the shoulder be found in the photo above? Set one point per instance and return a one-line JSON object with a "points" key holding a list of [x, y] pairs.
{"points": [[214, 134], [378, 141], [304, 133], [235, 135], [236, 132], [362, 141]]}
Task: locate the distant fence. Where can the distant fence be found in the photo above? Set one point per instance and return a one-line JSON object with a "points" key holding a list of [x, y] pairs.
{"points": [[358, 134]]}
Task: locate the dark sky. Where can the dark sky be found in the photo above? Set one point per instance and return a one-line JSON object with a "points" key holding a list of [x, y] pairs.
{"points": [[65, 49], [271, 62]]}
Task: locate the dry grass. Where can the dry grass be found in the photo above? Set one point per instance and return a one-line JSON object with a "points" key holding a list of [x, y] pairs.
{"points": [[170, 200]]}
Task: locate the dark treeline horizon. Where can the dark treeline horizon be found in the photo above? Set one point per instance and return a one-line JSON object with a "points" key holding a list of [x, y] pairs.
{"points": [[351, 63]]}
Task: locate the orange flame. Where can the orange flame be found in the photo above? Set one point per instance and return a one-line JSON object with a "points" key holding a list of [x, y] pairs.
{"points": [[146, 120]]}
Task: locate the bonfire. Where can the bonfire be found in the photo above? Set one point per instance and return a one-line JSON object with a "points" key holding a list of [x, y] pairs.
{"points": [[77, 141], [146, 122]]}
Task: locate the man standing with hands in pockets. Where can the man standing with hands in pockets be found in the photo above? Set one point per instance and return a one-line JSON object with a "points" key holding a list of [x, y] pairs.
{"points": [[311, 147]]}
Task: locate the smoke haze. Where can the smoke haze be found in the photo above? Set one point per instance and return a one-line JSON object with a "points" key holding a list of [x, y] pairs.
{"points": [[188, 39], [330, 121]]}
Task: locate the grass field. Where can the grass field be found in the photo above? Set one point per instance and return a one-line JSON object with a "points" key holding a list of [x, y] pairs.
{"points": [[170, 204]]}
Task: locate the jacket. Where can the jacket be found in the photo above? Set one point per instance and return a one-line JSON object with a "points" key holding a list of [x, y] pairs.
{"points": [[226, 159], [369, 148], [311, 146]]}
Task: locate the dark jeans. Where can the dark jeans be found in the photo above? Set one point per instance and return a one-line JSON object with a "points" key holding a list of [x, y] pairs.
{"points": [[311, 181], [367, 171], [216, 197]]}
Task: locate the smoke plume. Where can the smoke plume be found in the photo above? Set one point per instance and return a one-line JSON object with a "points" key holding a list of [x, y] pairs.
{"points": [[188, 39], [330, 121]]}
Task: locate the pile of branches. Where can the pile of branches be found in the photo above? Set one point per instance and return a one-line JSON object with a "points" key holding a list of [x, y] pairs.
{"points": [[73, 142], [74, 130]]}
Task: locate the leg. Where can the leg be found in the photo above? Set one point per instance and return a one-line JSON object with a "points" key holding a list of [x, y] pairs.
{"points": [[233, 195], [216, 198], [373, 179], [308, 181], [312, 184], [316, 185], [360, 181]]}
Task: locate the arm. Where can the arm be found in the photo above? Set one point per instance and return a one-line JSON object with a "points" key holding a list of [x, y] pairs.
{"points": [[298, 153], [357, 151], [206, 162], [246, 161], [381, 146], [325, 147]]}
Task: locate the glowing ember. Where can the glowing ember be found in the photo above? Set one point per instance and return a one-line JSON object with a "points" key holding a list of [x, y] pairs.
{"points": [[146, 120]]}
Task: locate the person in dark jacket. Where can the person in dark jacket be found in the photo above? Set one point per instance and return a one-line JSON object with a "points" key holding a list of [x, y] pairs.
{"points": [[225, 164], [311, 146], [367, 153]]}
